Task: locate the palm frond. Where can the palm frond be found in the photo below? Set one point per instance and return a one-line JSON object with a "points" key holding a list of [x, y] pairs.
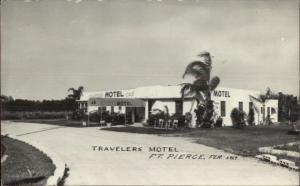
{"points": [[263, 97], [71, 89], [207, 55], [156, 110], [200, 85], [214, 82], [256, 99], [185, 89], [196, 68]]}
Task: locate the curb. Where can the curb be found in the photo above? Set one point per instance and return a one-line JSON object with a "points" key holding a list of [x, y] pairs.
{"points": [[271, 150], [60, 166]]}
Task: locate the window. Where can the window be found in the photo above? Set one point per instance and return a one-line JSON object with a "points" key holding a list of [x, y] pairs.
{"points": [[250, 105], [273, 110], [261, 109], [112, 110], [101, 109], [178, 107], [240, 105], [223, 108]]}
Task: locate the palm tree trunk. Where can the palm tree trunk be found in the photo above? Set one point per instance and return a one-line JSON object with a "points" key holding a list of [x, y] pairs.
{"points": [[264, 114], [192, 105]]}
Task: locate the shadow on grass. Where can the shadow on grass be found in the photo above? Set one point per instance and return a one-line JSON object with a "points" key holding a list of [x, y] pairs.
{"points": [[34, 181]]}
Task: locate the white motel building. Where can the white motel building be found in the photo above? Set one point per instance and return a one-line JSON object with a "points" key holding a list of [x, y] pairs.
{"points": [[139, 102]]}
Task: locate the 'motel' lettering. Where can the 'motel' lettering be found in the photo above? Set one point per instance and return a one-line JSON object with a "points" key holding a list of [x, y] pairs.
{"points": [[114, 94], [221, 93]]}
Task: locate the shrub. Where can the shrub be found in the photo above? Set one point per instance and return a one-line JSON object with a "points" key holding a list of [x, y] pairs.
{"points": [[251, 117], [180, 118], [77, 115], [237, 118], [94, 116], [116, 118], [219, 122], [151, 120]]}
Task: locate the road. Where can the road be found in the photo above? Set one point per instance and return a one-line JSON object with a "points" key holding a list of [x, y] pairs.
{"points": [[74, 146]]}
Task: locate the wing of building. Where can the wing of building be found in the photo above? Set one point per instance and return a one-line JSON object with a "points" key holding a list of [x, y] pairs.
{"points": [[160, 97]]}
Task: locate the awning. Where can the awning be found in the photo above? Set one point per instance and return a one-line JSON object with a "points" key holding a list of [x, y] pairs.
{"points": [[128, 102]]}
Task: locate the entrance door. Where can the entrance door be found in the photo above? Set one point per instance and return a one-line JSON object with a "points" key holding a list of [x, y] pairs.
{"points": [[150, 104], [129, 113], [179, 107]]}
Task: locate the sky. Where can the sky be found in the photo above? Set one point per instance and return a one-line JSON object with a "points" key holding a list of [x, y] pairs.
{"points": [[48, 46]]}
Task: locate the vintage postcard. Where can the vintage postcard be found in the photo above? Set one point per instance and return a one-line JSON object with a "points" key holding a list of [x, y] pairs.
{"points": [[150, 92]]}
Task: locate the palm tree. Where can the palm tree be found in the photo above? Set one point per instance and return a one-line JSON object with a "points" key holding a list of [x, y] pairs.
{"points": [[76, 93], [202, 85]]}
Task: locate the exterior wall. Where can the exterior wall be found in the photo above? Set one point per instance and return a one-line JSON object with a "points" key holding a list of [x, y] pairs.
{"points": [[232, 97], [92, 108], [189, 106], [273, 105], [269, 104], [146, 110], [169, 103]]}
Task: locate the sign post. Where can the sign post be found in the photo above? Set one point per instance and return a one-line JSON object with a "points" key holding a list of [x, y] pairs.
{"points": [[88, 119]]}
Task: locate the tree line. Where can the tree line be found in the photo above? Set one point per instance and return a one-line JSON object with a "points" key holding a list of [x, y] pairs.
{"points": [[9, 104]]}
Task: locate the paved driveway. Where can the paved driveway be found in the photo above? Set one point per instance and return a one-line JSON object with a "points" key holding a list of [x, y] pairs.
{"points": [[74, 146]]}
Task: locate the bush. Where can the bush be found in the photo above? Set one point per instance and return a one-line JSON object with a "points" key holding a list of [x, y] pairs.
{"points": [[155, 117], [180, 118], [237, 118], [117, 118], [251, 117], [77, 115], [151, 120], [219, 122], [94, 117]]}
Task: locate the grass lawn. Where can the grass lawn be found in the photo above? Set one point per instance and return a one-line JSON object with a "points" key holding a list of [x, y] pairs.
{"points": [[243, 142], [21, 158]]}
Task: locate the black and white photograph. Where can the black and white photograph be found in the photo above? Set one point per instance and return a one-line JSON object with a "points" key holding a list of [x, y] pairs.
{"points": [[150, 92]]}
